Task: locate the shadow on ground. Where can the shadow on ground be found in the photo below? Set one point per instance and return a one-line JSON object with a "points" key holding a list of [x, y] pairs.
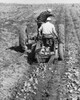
{"points": [[17, 49], [30, 56]]}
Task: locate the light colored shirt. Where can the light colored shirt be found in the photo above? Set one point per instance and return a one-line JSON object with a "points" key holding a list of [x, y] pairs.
{"points": [[47, 28]]}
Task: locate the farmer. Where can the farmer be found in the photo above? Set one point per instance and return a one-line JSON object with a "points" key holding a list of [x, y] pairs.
{"points": [[48, 32], [43, 16]]}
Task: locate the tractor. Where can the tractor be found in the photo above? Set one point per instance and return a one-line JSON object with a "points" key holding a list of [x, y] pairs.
{"points": [[43, 54]]}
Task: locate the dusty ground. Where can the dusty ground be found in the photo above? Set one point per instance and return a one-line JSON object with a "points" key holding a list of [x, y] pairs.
{"points": [[21, 81]]}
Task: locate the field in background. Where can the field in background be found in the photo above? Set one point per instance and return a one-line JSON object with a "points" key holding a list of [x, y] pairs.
{"points": [[21, 81]]}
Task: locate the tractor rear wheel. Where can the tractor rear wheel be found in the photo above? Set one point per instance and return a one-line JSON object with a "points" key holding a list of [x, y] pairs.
{"points": [[61, 51], [23, 36], [61, 43]]}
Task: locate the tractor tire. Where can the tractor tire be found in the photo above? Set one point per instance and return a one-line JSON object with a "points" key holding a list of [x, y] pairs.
{"points": [[61, 43], [22, 36], [56, 54], [61, 52]]}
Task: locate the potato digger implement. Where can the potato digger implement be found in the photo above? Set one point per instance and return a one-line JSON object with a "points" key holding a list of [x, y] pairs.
{"points": [[47, 54]]}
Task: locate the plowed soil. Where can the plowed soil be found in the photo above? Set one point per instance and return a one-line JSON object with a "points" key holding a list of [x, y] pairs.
{"points": [[20, 80]]}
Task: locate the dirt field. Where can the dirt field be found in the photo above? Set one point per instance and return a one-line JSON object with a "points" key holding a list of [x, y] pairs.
{"points": [[21, 81]]}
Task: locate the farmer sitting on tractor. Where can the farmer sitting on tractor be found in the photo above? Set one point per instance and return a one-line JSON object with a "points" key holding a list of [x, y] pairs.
{"points": [[43, 16], [48, 32]]}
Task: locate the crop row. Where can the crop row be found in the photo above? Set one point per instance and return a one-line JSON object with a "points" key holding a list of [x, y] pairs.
{"points": [[72, 43]]}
